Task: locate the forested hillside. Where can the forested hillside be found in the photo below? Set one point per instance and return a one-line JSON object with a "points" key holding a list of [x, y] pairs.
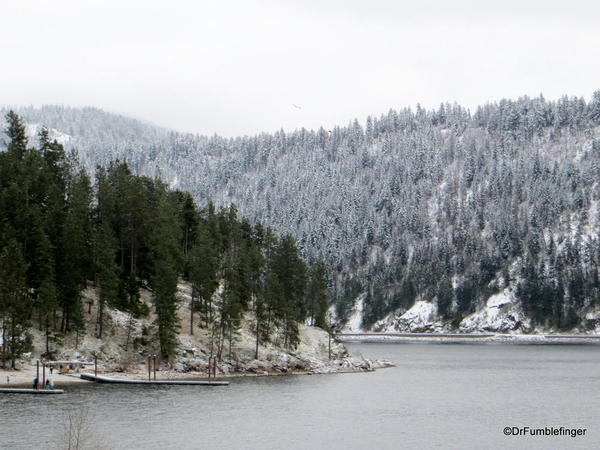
{"points": [[60, 232], [445, 206]]}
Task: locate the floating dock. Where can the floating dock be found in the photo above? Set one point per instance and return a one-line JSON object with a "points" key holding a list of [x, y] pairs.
{"points": [[100, 379], [31, 391]]}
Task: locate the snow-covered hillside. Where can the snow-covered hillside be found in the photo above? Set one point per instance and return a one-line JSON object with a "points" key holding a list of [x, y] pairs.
{"points": [[128, 345], [33, 130], [412, 206]]}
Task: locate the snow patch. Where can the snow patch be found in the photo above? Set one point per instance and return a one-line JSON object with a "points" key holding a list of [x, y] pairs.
{"points": [[32, 130], [420, 317], [592, 319], [502, 313], [354, 324]]}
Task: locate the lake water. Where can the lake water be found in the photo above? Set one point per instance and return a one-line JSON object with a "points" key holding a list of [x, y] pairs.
{"points": [[438, 396]]}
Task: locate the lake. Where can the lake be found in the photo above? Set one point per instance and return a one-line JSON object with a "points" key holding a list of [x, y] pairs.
{"points": [[438, 396]]}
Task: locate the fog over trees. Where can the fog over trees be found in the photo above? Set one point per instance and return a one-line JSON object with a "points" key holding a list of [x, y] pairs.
{"points": [[444, 205]]}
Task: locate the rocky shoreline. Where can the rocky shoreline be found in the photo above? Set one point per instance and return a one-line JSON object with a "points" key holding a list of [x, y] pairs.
{"points": [[473, 338], [24, 376], [501, 316], [315, 353]]}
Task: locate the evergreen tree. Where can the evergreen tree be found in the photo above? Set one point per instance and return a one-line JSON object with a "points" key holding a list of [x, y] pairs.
{"points": [[17, 146], [75, 264], [291, 273], [163, 243], [189, 221], [106, 272], [48, 304], [445, 295], [203, 264], [316, 292], [15, 304]]}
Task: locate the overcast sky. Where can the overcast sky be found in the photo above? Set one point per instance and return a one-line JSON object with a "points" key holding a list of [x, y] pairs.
{"points": [[238, 67]]}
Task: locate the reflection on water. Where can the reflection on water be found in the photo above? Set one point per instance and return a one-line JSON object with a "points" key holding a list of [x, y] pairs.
{"points": [[438, 396]]}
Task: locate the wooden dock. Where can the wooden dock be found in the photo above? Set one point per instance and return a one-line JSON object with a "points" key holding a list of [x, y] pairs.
{"points": [[100, 379], [31, 391]]}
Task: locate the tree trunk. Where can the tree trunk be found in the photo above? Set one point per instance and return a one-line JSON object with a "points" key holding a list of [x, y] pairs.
{"points": [[257, 338], [13, 357], [4, 343], [47, 334], [185, 243], [192, 313], [63, 320], [100, 321], [230, 338]]}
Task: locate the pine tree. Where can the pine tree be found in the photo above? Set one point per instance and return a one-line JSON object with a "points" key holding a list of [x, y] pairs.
{"points": [[18, 138], [15, 181], [163, 242], [445, 296], [316, 293], [203, 264], [255, 262], [189, 221], [164, 286], [75, 263], [15, 305], [274, 301], [106, 272], [290, 271]]}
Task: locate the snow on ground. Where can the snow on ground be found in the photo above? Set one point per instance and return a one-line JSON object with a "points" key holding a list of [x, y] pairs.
{"points": [[32, 130], [502, 313], [592, 319], [420, 317], [354, 324], [126, 343]]}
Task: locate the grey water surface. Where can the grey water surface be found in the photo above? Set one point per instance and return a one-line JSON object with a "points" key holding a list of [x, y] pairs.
{"points": [[438, 396]]}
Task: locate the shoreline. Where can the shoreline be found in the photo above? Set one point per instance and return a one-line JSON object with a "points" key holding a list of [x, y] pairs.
{"points": [[472, 338], [24, 376]]}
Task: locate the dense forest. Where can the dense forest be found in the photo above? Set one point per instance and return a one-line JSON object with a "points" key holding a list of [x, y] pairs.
{"points": [[445, 205], [60, 232]]}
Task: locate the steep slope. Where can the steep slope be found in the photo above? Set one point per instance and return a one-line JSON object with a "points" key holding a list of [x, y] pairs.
{"points": [[129, 344], [442, 207]]}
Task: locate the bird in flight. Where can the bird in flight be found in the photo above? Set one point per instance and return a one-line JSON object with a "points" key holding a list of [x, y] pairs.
{"points": [[296, 106]]}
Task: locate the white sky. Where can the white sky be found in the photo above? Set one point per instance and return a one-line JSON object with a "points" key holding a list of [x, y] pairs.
{"points": [[236, 67]]}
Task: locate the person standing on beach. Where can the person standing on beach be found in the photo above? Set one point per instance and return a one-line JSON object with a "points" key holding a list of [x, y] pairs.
{"points": [[35, 383]]}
